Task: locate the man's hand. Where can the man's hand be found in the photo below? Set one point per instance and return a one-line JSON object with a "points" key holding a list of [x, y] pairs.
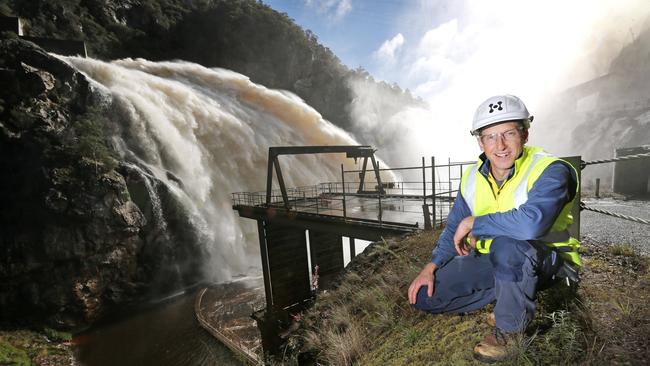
{"points": [[425, 278], [464, 230]]}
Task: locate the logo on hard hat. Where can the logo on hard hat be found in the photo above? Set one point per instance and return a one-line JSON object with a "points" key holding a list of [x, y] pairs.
{"points": [[497, 106]]}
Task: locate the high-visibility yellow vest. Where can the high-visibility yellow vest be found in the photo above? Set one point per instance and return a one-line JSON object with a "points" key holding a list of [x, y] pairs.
{"points": [[482, 199]]}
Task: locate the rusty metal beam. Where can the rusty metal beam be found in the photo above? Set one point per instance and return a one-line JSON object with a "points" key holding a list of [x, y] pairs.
{"points": [[375, 167], [283, 188], [362, 151], [350, 150], [287, 264], [326, 251], [269, 179], [362, 176], [353, 249], [268, 289], [355, 228]]}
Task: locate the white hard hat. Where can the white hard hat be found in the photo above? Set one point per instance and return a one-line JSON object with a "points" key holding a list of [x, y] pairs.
{"points": [[500, 108]]}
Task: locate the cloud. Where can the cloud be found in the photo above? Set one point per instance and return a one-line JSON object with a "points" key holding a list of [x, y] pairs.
{"points": [[524, 46], [386, 53], [533, 49], [334, 9]]}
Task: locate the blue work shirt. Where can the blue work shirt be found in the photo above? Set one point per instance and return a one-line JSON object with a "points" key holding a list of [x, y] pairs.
{"points": [[554, 188]]}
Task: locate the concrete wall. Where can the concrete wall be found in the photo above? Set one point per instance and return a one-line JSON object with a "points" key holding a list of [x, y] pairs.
{"points": [[326, 250], [59, 46], [11, 24], [632, 177], [288, 269]]}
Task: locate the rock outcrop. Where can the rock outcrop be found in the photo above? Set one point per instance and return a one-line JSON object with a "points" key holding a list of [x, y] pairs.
{"points": [[73, 242]]}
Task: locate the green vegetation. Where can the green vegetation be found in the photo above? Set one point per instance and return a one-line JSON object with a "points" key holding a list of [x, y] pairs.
{"points": [[57, 336], [90, 140], [366, 320], [82, 154], [24, 348], [10, 355]]}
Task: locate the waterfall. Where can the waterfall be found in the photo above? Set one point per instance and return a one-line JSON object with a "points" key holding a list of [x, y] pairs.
{"points": [[156, 205], [204, 133]]}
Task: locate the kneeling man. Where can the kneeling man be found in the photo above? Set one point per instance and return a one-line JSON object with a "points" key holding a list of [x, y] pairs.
{"points": [[507, 233]]}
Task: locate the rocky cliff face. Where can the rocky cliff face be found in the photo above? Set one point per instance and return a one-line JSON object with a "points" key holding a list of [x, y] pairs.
{"points": [[620, 116], [73, 242]]}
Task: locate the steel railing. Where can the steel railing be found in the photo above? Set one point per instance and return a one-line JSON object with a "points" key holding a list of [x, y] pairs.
{"points": [[436, 190]]}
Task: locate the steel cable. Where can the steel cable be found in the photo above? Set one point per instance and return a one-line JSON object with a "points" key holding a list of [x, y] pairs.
{"points": [[620, 158], [583, 206]]}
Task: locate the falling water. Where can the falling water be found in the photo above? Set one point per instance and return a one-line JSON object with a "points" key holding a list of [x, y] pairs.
{"points": [[156, 205], [205, 133]]}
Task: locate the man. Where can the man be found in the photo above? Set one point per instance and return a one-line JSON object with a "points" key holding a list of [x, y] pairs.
{"points": [[506, 235]]}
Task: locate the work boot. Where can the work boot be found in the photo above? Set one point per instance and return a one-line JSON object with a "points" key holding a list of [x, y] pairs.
{"points": [[497, 346], [491, 320]]}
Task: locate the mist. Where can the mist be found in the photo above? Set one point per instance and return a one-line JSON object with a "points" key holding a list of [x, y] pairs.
{"points": [[205, 133], [455, 55]]}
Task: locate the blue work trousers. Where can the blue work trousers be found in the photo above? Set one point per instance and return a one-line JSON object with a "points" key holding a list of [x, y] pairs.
{"points": [[508, 274]]}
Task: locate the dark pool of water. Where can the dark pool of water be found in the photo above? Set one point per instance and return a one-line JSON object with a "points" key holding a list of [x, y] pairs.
{"points": [[165, 334]]}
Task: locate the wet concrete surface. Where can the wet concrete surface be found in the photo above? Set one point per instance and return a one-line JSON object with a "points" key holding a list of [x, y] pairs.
{"points": [[605, 229], [225, 311], [388, 209]]}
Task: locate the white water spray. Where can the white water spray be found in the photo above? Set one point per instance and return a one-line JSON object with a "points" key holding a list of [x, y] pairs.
{"points": [[456, 54], [205, 133]]}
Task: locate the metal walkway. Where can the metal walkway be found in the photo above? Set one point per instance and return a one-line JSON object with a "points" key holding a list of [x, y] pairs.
{"points": [[302, 230], [372, 209]]}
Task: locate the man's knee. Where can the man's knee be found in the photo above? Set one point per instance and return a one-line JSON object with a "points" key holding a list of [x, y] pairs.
{"points": [[425, 303], [508, 257]]}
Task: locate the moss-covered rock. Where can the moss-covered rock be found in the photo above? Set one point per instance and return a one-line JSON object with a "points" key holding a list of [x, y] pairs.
{"points": [[64, 214], [26, 347], [12, 356], [73, 244]]}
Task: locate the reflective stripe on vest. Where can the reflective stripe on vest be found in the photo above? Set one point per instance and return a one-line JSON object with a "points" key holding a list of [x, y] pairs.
{"points": [[521, 192], [521, 196], [530, 167], [470, 188]]}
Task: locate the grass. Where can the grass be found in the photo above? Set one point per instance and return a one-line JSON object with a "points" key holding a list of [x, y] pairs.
{"points": [[625, 250], [57, 336], [366, 320], [24, 347], [625, 307], [10, 355]]}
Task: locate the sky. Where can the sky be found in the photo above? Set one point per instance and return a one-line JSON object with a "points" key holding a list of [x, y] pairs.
{"points": [[420, 43], [456, 53], [353, 29]]}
